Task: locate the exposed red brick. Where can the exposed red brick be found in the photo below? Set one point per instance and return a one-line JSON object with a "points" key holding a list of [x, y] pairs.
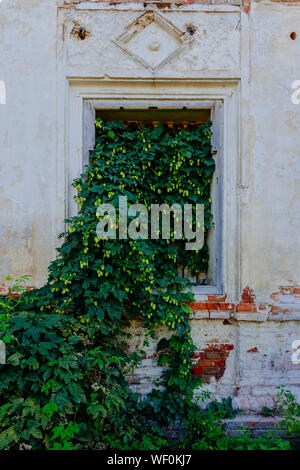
{"points": [[244, 307], [197, 370], [248, 295], [296, 290], [211, 361], [214, 355], [246, 4], [253, 350], [199, 355], [275, 309], [219, 347], [224, 355], [205, 363], [220, 363], [204, 305], [30, 288], [216, 298], [225, 306], [153, 356]]}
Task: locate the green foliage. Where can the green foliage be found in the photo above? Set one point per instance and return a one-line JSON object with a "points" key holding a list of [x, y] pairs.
{"points": [[224, 406], [206, 431], [246, 442], [290, 409], [9, 304], [267, 411], [64, 385]]}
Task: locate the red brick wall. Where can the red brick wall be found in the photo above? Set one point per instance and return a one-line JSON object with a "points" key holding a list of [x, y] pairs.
{"points": [[211, 361], [218, 302]]}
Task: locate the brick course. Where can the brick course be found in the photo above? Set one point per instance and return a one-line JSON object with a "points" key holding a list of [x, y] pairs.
{"points": [[282, 302], [211, 362], [245, 3]]}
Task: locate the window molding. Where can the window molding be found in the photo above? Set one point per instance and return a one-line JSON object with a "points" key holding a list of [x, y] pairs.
{"points": [[222, 97]]}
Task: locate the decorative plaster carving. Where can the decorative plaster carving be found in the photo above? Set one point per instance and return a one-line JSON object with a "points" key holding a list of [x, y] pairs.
{"points": [[139, 40]]}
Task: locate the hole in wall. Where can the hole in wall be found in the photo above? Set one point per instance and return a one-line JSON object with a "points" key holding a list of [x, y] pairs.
{"points": [[191, 29], [82, 33]]}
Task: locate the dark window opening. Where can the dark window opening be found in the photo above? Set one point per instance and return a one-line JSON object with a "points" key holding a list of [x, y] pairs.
{"points": [[173, 119]]}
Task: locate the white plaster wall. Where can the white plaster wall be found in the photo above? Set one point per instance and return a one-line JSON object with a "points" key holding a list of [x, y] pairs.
{"points": [[259, 361], [271, 215], [263, 57], [28, 192]]}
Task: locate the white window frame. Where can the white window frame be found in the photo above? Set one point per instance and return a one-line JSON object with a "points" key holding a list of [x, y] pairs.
{"points": [[222, 97]]}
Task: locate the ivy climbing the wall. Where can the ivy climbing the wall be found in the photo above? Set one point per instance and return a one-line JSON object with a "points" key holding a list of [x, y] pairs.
{"points": [[64, 385], [116, 279]]}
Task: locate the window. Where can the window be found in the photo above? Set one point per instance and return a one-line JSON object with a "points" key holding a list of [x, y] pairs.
{"points": [[89, 97], [186, 118]]}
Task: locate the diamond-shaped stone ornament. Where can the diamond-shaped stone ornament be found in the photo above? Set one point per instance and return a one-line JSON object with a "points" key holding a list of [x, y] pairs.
{"points": [[152, 40]]}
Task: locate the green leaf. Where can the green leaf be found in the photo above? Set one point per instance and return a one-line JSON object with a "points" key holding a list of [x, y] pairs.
{"points": [[77, 392], [7, 437]]}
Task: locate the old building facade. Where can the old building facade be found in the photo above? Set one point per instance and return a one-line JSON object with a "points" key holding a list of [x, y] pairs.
{"points": [[61, 61]]}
